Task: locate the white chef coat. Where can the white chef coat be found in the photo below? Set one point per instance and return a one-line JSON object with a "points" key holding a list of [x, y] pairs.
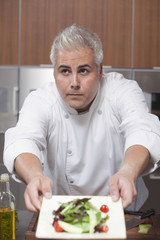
{"points": [[85, 150]]}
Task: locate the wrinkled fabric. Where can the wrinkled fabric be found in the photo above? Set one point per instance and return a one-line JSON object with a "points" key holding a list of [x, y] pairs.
{"points": [[80, 152]]}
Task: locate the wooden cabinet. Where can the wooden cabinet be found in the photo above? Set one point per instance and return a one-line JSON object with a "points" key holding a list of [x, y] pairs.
{"points": [[112, 21], [129, 30], [117, 33], [147, 34], [42, 19], [9, 23]]}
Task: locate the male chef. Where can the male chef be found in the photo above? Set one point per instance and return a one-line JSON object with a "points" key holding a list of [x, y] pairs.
{"points": [[85, 133]]}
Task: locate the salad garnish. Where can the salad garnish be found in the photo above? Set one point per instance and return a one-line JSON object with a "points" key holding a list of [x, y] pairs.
{"points": [[80, 216]]}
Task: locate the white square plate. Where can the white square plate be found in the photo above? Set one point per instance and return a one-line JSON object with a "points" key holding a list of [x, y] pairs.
{"points": [[116, 221]]}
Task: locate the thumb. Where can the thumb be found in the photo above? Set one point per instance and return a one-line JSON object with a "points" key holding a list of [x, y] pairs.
{"points": [[47, 194], [46, 187], [114, 189]]}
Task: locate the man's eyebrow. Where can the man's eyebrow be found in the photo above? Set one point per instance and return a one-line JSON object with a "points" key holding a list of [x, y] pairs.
{"points": [[84, 65], [63, 66], [80, 66]]}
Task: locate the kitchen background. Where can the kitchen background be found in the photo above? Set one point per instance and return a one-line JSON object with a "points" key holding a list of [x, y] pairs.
{"points": [[130, 33]]}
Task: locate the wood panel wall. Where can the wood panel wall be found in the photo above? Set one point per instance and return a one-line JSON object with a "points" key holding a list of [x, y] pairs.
{"points": [[42, 19], [124, 46], [117, 32], [147, 34], [9, 18]]}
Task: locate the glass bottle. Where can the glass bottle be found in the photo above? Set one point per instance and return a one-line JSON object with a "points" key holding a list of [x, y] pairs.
{"points": [[7, 209]]}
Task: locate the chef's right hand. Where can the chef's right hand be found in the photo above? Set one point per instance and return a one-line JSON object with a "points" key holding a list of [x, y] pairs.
{"points": [[36, 189]]}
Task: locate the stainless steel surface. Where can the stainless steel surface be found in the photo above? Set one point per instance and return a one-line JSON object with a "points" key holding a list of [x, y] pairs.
{"points": [[127, 73], [32, 78], [8, 97], [149, 80]]}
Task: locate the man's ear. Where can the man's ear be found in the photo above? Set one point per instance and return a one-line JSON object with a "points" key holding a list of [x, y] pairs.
{"points": [[101, 68], [100, 71]]}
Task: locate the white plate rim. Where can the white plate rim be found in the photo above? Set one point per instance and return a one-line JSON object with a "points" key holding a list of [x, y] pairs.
{"points": [[46, 230]]}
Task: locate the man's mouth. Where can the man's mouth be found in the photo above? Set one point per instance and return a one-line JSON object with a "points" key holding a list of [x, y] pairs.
{"points": [[75, 94]]}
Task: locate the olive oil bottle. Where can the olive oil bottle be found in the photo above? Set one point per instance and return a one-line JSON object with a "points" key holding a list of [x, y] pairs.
{"points": [[7, 209]]}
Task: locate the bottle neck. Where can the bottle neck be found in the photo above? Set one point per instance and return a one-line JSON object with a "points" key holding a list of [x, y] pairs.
{"points": [[4, 186]]}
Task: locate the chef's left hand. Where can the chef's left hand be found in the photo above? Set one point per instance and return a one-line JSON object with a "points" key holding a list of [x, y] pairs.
{"points": [[122, 185]]}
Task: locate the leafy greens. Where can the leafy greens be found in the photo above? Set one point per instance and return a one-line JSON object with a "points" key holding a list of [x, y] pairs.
{"points": [[81, 214]]}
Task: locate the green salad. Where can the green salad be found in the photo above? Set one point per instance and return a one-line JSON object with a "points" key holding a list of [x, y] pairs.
{"points": [[80, 216]]}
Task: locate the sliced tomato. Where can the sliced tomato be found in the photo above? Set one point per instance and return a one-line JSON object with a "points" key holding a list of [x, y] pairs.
{"points": [[57, 227], [104, 228], [104, 208]]}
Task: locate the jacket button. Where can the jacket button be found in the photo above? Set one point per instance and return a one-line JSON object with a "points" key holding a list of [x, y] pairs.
{"points": [[66, 116], [71, 181], [99, 112], [69, 151]]}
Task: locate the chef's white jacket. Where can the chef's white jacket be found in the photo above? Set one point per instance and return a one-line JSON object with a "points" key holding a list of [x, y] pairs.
{"points": [[82, 151]]}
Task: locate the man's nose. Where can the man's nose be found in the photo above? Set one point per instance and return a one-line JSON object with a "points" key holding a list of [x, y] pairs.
{"points": [[75, 81]]}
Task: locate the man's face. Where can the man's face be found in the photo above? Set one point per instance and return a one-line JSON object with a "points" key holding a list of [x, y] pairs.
{"points": [[77, 77]]}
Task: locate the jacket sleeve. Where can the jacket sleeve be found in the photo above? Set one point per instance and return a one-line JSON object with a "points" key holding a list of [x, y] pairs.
{"points": [[29, 135], [137, 124]]}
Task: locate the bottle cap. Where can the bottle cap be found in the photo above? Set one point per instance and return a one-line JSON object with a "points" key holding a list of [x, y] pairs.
{"points": [[4, 177]]}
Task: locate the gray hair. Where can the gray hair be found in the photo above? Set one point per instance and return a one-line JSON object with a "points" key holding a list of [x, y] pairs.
{"points": [[74, 37]]}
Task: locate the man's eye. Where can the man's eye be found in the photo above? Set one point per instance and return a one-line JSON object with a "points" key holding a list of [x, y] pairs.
{"points": [[65, 71], [84, 71]]}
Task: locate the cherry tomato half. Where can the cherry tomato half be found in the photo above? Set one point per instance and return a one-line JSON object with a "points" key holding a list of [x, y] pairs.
{"points": [[104, 228], [57, 227], [104, 208]]}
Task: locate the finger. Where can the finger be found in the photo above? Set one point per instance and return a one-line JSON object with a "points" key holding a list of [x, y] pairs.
{"points": [[135, 191], [126, 201], [128, 193], [35, 190], [114, 189], [46, 187], [33, 195], [33, 206]]}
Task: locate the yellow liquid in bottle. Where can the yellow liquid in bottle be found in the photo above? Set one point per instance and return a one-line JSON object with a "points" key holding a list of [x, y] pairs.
{"points": [[7, 224]]}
